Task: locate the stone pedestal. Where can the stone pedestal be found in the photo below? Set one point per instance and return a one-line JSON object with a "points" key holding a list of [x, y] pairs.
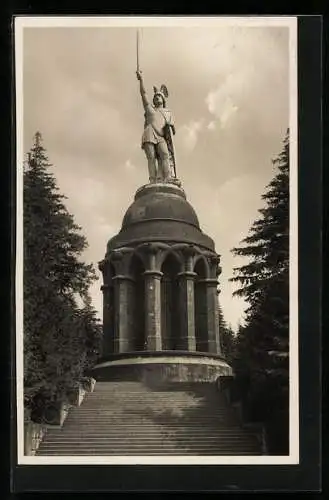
{"points": [[159, 271], [157, 367]]}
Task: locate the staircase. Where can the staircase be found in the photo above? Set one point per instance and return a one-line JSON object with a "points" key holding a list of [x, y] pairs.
{"points": [[129, 418]]}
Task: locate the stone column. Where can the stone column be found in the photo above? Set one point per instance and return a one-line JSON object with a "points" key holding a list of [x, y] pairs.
{"points": [[122, 314], [153, 310], [186, 285], [152, 277], [108, 299], [108, 323], [187, 326], [166, 319], [212, 315]]}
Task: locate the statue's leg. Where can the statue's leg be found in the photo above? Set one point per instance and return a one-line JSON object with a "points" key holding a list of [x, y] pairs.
{"points": [[149, 149], [162, 150]]}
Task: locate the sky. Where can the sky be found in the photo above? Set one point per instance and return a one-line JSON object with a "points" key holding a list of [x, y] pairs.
{"points": [[229, 94]]}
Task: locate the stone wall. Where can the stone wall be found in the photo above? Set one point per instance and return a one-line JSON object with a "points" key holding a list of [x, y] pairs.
{"points": [[34, 432], [163, 369]]}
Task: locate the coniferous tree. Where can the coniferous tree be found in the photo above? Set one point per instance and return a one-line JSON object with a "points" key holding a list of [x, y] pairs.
{"points": [[54, 275], [226, 335], [92, 334], [262, 348], [221, 325], [228, 343]]}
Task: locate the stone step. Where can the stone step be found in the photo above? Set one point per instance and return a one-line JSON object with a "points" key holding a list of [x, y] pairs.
{"points": [[157, 419], [147, 451], [119, 407], [194, 392], [171, 401], [138, 446], [116, 401], [179, 386], [136, 412], [131, 430], [155, 444], [146, 411], [132, 438], [127, 402], [149, 394], [132, 410], [149, 425], [148, 397], [123, 405], [150, 434], [141, 453], [108, 433], [225, 426], [128, 418], [191, 392]]}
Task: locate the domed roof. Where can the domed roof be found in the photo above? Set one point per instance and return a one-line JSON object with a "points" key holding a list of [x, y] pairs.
{"points": [[160, 202], [160, 212]]}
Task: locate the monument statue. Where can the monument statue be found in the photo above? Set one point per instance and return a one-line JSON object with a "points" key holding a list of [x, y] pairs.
{"points": [[159, 128], [157, 139]]}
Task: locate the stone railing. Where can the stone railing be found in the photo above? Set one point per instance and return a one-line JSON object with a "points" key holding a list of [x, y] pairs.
{"points": [[33, 435], [54, 416]]}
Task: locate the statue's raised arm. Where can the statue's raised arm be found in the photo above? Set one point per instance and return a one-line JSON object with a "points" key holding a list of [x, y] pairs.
{"points": [[157, 139], [142, 89]]}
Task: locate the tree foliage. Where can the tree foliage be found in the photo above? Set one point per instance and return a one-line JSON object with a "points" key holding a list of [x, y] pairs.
{"points": [[262, 348], [226, 336], [60, 338]]}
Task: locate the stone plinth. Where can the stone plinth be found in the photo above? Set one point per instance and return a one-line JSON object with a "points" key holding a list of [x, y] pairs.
{"points": [[166, 366]]}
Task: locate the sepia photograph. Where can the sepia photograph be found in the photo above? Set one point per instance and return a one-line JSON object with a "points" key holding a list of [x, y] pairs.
{"points": [[157, 256]]}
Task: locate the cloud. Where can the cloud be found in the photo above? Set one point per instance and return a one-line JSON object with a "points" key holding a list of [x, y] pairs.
{"points": [[129, 166], [221, 104], [190, 133], [211, 125]]}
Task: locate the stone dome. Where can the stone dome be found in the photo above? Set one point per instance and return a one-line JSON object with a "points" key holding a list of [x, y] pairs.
{"points": [[160, 212], [160, 202]]}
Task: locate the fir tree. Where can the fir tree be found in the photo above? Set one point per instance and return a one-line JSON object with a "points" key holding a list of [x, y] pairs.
{"points": [[54, 275], [228, 343], [267, 245], [226, 335], [262, 349], [93, 334], [264, 281]]}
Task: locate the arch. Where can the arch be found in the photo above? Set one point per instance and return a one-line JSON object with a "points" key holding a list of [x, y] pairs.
{"points": [[172, 254], [170, 325], [139, 254], [200, 305], [202, 264], [136, 302]]}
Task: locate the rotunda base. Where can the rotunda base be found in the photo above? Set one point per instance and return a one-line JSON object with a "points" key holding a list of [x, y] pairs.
{"points": [[162, 367]]}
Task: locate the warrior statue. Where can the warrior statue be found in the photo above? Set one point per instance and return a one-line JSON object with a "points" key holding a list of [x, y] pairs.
{"points": [[157, 137]]}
